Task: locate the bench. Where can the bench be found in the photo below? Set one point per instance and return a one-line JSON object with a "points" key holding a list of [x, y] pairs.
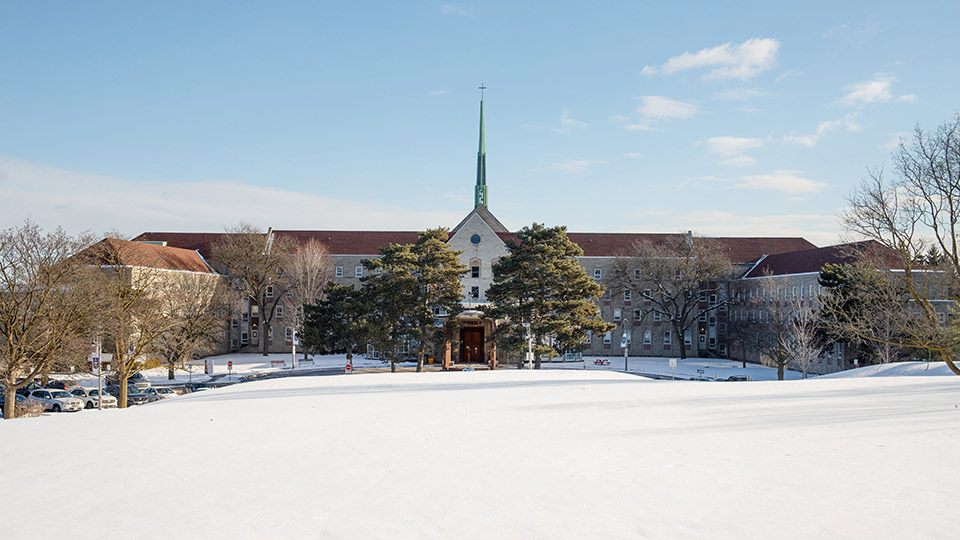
{"points": [[277, 363], [601, 362]]}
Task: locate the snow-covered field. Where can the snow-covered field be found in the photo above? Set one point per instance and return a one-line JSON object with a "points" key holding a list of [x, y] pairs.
{"points": [[505, 454]]}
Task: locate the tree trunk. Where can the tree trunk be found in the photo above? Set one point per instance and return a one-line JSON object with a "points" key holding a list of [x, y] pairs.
{"points": [[10, 401], [263, 337], [393, 366], [420, 356], [123, 393], [170, 373], [779, 371]]}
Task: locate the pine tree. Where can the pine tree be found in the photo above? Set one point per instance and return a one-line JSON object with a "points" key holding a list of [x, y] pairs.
{"points": [[541, 283], [336, 323], [439, 273]]}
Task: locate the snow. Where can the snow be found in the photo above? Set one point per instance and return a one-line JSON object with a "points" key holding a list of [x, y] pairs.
{"points": [[713, 368], [899, 369], [502, 454]]}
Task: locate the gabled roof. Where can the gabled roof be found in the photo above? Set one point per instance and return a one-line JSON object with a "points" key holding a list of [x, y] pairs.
{"points": [[812, 260], [139, 254], [487, 218]]}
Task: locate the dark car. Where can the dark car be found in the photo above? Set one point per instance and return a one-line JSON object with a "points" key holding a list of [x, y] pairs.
{"points": [[30, 387], [137, 379], [197, 387], [134, 396], [61, 385]]}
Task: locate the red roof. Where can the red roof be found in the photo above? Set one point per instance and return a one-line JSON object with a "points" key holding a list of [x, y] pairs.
{"points": [[740, 250], [812, 260], [139, 254]]}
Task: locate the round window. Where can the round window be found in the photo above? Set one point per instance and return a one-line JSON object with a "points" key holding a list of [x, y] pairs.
{"points": [[475, 239]]}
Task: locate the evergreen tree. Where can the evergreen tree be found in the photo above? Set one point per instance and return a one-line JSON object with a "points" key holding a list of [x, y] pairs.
{"points": [[439, 273], [541, 283], [336, 323], [392, 290]]}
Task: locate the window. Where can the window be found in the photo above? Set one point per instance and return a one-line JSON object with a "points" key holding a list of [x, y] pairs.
{"points": [[254, 311], [646, 337], [358, 271], [713, 300], [713, 343], [474, 271], [378, 271], [722, 328], [270, 292], [244, 316], [794, 292], [616, 315], [637, 273], [606, 338], [597, 273], [233, 322], [338, 271], [244, 339], [588, 337], [637, 314], [606, 295], [702, 317], [678, 275], [288, 333], [687, 339], [627, 296], [279, 312], [474, 292], [646, 293], [713, 321], [667, 337], [657, 316], [253, 333]]}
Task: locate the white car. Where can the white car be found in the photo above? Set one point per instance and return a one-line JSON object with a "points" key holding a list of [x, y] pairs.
{"points": [[56, 400], [157, 393], [91, 398]]}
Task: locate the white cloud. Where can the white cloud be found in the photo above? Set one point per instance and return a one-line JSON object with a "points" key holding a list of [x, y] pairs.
{"points": [[461, 10], [730, 61], [439, 92], [731, 149], [568, 124], [570, 166], [653, 109], [648, 71], [846, 123], [80, 201], [876, 90], [633, 155], [784, 181]]}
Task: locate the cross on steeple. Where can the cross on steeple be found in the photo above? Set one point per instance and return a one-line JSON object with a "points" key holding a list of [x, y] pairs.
{"points": [[482, 88]]}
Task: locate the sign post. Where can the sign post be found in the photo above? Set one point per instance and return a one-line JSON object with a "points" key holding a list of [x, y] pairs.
{"points": [[623, 344], [673, 367], [229, 369]]}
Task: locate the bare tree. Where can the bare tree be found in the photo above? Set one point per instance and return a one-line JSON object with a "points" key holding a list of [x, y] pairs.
{"points": [[43, 304], [805, 347], [257, 264], [769, 311], [131, 315], [920, 206], [199, 306], [310, 268], [680, 276]]}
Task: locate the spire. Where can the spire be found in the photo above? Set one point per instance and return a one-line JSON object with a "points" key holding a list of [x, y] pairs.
{"points": [[480, 192]]}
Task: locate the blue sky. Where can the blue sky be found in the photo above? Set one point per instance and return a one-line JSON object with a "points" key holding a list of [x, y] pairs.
{"points": [[607, 116]]}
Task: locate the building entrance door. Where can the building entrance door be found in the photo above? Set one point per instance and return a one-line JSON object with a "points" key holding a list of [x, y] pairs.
{"points": [[471, 346]]}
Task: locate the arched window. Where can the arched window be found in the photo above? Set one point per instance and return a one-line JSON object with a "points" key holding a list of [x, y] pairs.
{"points": [[474, 268]]}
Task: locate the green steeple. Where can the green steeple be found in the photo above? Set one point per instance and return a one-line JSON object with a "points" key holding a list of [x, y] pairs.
{"points": [[480, 192]]}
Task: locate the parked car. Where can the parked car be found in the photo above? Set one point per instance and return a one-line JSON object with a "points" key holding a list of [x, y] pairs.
{"points": [[30, 387], [157, 393], [197, 387], [134, 396], [91, 398], [738, 378], [137, 379], [56, 400], [60, 385]]}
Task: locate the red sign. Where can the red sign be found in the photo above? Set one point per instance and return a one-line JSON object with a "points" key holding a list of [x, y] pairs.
{"points": [[230, 364], [349, 368]]}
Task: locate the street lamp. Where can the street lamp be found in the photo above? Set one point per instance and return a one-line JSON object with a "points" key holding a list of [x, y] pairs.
{"points": [[529, 345]]}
